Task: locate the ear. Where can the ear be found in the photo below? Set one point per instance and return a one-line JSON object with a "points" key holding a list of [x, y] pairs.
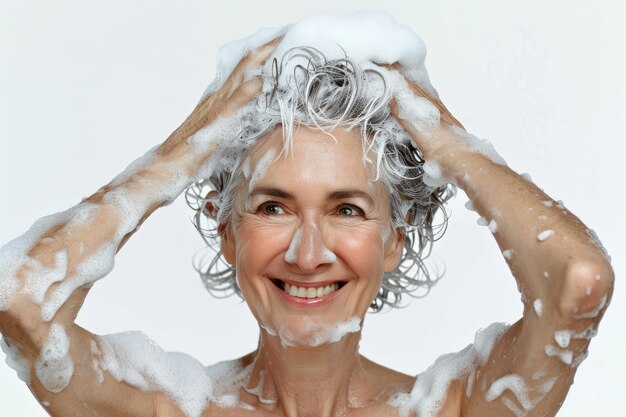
{"points": [[227, 243], [393, 249], [209, 208]]}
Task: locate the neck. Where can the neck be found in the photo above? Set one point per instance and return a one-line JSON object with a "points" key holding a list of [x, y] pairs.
{"points": [[302, 381]]}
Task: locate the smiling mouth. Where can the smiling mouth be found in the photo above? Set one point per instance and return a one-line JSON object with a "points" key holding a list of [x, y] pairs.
{"points": [[308, 292]]}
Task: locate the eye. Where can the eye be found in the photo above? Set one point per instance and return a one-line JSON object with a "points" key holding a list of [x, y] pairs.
{"points": [[349, 210], [270, 208]]}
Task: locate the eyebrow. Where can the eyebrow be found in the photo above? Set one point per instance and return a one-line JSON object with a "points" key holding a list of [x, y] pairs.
{"points": [[335, 195], [345, 194], [271, 191]]}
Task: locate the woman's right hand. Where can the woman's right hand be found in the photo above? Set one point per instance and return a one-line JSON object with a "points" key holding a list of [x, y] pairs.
{"points": [[236, 91]]}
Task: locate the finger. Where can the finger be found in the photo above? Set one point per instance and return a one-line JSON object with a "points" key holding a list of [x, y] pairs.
{"points": [[242, 95], [258, 56], [263, 52], [446, 116], [252, 61], [407, 126]]}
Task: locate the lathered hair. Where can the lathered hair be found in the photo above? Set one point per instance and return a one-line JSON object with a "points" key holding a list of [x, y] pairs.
{"points": [[326, 94]]}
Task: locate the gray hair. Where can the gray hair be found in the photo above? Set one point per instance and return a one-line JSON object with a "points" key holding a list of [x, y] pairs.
{"points": [[326, 94]]}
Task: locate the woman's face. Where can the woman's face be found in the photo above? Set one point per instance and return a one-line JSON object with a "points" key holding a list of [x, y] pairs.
{"points": [[314, 238]]}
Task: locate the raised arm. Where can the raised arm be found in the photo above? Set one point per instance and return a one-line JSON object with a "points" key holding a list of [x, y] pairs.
{"points": [[46, 274], [562, 271]]}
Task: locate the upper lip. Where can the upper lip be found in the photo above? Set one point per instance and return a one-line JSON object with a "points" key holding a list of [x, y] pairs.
{"points": [[308, 284]]}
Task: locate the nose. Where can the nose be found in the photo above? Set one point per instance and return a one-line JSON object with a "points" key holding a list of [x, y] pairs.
{"points": [[307, 249]]}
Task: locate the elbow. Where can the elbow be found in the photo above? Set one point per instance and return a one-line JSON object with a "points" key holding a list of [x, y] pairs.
{"points": [[587, 289]]}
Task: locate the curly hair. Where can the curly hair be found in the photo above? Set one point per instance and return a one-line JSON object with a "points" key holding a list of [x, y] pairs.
{"points": [[326, 94]]}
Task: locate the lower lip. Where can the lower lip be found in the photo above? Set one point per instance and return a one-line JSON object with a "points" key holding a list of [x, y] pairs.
{"points": [[308, 302]]}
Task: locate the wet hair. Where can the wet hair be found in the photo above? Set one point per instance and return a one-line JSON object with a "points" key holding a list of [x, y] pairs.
{"points": [[326, 94]]}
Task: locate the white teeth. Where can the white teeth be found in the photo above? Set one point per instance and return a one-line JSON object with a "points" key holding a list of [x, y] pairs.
{"points": [[310, 292], [293, 290]]}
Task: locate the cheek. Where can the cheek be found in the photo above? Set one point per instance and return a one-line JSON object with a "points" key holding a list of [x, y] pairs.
{"points": [[362, 249], [257, 245]]}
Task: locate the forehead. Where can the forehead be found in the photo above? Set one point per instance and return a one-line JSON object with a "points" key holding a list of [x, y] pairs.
{"points": [[312, 158]]}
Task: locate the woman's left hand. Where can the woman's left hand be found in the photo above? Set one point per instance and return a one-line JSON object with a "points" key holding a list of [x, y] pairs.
{"points": [[434, 143]]}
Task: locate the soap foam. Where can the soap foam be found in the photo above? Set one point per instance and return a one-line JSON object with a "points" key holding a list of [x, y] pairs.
{"points": [[433, 175], [14, 254], [261, 167], [545, 235], [54, 366], [562, 338], [380, 40], [137, 360], [565, 356], [257, 390], [290, 254], [431, 386], [538, 307], [16, 361], [39, 278], [312, 333], [528, 397]]}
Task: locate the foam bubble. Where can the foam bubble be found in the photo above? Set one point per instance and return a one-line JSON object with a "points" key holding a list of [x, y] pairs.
{"points": [[562, 338], [290, 255], [54, 366], [261, 167], [135, 359], [508, 254], [528, 397], [422, 114], [545, 235], [538, 307], [527, 177], [565, 356], [39, 278], [431, 386], [16, 361], [257, 390], [380, 40], [313, 333], [482, 146], [14, 254], [433, 175]]}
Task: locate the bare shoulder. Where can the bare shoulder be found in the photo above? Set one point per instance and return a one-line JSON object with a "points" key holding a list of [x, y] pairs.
{"points": [[387, 377], [444, 394]]}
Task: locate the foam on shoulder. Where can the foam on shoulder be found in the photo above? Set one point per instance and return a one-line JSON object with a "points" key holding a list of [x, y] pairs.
{"points": [[137, 360], [431, 386]]}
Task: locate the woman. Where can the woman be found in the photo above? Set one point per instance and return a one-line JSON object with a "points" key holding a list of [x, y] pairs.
{"points": [[315, 225]]}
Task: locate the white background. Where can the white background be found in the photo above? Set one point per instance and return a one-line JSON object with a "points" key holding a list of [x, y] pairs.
{"points": [[86, 87]]}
